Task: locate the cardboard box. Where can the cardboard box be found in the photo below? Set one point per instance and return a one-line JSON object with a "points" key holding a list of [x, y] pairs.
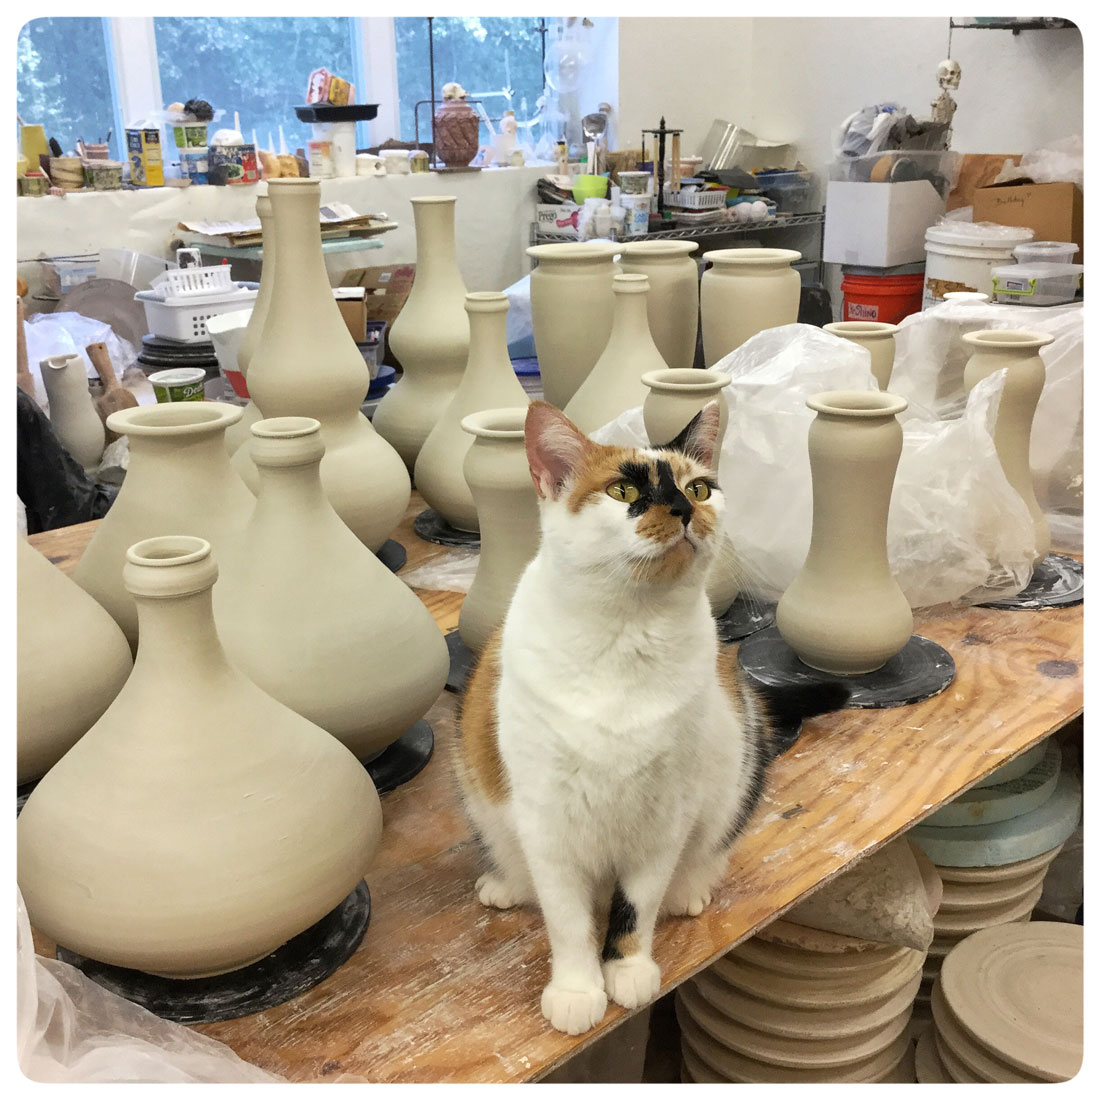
{"points": [[555, 217], [878, 224], [352, 301], [1056, 211], [386, 290]]}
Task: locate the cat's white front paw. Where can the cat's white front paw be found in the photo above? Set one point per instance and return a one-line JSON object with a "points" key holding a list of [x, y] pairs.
{"points": [[632, 981], [573, 1010], [494, 892], [687, 903]]}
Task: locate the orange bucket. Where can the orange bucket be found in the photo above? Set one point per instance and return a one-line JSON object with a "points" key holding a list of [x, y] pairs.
{"points": [[886, 298]]}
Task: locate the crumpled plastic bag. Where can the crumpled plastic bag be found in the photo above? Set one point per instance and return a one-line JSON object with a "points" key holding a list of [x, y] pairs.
{"points": [[956, 531], [70, 1029], [453, 572], [1061, 161], [519, 329]]}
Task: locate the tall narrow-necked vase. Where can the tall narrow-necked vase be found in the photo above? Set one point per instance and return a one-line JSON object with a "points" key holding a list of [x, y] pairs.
{"points": [[72, 660], [489, 382], [72, 411], [307, 364], [312, 616], [877, 337], [572, 306], [844, 612], [199, 824], [745, 291], [1017, 350], [615, 382], [673, 303], [431, 335], [179, 479], [499, 476]]}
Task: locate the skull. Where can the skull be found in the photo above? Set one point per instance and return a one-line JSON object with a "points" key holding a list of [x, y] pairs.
{"points": [[949, 73]]}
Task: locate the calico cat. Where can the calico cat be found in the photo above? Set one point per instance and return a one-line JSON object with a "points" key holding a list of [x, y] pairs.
{"points": [[610, 754]]}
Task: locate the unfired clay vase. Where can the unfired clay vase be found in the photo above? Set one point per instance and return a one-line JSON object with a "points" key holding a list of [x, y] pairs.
{"points": [[877, 337], [72, 411], [311, 616], [746, 291], [72, 660], [1019, 352], [499, 476], [431, 335], [199, 824], [489, 382], [673, 303], [572, 306], [844, 612], [615, 383], [306, 364], [179, 478], [674, 398]]}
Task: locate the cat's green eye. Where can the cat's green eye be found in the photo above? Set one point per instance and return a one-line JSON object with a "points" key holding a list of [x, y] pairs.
{"points": [[624, 491], [698, 490]]}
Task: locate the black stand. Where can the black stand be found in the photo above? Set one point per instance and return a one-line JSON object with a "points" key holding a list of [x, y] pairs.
{"points": [[300, 964], [922, 669], [432, 527], [743, 617], [392, 555], [405, 758], [463, 659], [1058, 581]]}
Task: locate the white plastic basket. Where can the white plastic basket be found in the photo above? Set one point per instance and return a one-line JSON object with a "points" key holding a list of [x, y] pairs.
{"points": [[193, 281], [184, 317], [696, 200]]}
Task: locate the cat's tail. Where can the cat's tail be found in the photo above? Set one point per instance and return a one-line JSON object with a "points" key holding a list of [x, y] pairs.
{"points": [[789, 705]]}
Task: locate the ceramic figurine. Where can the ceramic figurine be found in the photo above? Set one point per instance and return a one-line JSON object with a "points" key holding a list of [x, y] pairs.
{"points": [[456, 128]]}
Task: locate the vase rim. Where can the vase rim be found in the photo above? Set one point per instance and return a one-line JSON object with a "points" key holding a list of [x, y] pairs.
{"points": [[1022, 339], [506, 423], [686, 380], [487, 301], [428, 200], [169, 566], [226, 322], [752, 257], [175, 419], [858, 404], [630, 283], [60, 362], [286, 427], [660, 249], [573, 250], [291, 183], [860, 328]]}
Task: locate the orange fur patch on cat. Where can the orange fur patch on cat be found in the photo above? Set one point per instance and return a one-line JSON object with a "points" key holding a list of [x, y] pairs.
{"points": [[480, 753], [597, 469]]}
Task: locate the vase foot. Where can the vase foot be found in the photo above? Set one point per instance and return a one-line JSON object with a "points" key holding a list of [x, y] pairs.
{"points": [[463, 659], [402, 760], [432, 527], [300, 964], [22, 793], [743, 617], [1058, 581], [922, 669], [392, 555]]}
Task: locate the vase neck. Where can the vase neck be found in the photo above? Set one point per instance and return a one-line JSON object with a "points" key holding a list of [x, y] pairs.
{"points": [[177, 640], [291, 490], [435, 241], [205, 458], [488, 341], [630, 320], [300, 282], [267, 281]]}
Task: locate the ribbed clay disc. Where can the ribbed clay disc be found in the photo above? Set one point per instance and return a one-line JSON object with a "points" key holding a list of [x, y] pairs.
{"points": [[778, 1050], [806, 964], [798, 936], [989, 895], [965, 922], [905, 1072], [955, 1067], [803, 1023], [930, 1070], [1006, 871], [1014, 768], [1018, 991], [696, 1070], [930, 877]]}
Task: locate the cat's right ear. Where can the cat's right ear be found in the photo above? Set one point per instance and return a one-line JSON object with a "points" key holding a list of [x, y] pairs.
{"points": [[555, 447]]}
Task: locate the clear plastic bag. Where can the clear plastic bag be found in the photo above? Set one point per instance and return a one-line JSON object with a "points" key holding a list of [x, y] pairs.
{"points": [[452, 573], [1061, 161]]}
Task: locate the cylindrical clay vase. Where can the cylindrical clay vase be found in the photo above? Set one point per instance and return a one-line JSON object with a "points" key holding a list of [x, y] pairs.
{"points": [[1019, 352], [199, 824], [489, 382], [179, 478], [877, 337], [844, 612], [431, 335], [746, 291], [313, 617], [499, 475], [615, 383], [306, 364], [72, 660], [572, 306], [673, 303], [72, 411]]}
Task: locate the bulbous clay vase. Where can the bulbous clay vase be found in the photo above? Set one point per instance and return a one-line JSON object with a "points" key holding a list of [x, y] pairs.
{"points": [[199, 824], [746, 291], [877, 337], [844, 612], [179, 478], [675, 397], [72, 660], [72, 411], [313, 617], [500, 479], [1017, 350], [489, 382], [456, 133], [615, 382], [306, 364], [572, 306], [673, 303], [431, 335]]}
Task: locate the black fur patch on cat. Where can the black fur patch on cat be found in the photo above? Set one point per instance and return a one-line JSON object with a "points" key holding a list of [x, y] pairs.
{"points": [[622, 921], [788, 706], [752, 798], [665, 492]]}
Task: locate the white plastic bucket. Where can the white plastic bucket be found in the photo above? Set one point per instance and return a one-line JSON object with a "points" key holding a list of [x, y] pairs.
{"points": [[962, 255]]}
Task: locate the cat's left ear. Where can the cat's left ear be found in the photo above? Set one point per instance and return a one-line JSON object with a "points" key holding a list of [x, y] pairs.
{"points": [[555, 447], [700, 438]]}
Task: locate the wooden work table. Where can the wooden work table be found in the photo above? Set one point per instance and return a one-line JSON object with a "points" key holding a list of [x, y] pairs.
{"points": [[443, 989]]}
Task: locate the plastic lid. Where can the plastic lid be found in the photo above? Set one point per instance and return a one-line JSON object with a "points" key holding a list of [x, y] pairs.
{"points": [[978, 234]]}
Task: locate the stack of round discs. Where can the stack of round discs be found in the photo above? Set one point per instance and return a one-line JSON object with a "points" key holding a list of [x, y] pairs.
{"points": [[158, 353], [1008, 1008], [794, 1005], [992, 847]]}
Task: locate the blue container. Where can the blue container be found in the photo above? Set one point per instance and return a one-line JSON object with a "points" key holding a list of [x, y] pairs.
{"points": [[195, 164]]}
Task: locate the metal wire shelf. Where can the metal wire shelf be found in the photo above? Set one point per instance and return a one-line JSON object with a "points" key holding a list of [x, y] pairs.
{"points": [[722, 229]]}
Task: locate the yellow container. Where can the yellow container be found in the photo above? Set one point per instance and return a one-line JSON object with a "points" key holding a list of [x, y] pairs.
{"points": [[143, 152], [33, 141]]}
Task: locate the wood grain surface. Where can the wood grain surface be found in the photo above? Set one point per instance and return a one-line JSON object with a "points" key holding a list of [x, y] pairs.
{"points": [[445, 990]]}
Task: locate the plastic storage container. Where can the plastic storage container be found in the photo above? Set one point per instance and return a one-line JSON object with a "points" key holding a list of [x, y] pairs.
{"points": [[1045, 252], [1036, 284], [962, 256], [793, 192], [939, 167]]}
